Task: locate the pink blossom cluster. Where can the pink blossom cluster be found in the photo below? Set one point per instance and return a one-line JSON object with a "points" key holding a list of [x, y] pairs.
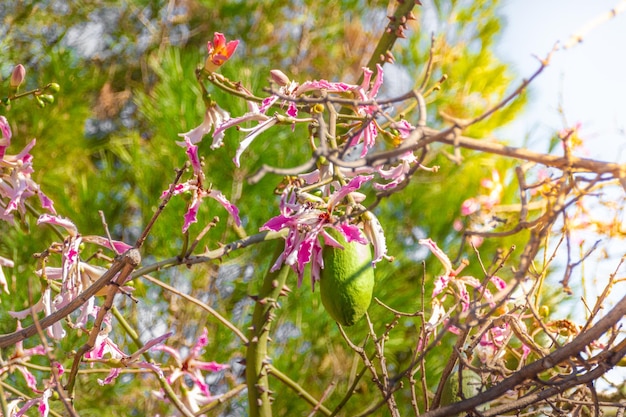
{"points": [[16, 183], [191, 368], [479, 210], [306, 215], [470, 294], [71, 278], [65, 280]]}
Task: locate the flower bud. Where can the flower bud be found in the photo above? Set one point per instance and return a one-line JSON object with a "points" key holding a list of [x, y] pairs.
{"points": [[318, 108], [47, 98], [54, 87], [17, 76], [279, 77]]}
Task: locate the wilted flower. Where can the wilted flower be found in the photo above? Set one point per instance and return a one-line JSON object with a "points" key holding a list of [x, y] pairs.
{"points": [[376, 235], [398, 173], [452, 277]]}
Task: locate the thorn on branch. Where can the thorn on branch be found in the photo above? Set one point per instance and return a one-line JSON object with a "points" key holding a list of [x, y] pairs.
{"points": [[400, 32]]}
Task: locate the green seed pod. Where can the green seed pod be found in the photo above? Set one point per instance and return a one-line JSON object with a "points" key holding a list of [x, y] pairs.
{"points": [[347, 280], [472, 385]]}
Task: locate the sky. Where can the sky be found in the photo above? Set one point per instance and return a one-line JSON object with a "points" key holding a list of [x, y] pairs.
{"points": [[588, 79]]}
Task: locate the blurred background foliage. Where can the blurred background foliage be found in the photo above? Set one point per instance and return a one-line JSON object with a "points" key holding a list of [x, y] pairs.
{"points": [[126, 70]]}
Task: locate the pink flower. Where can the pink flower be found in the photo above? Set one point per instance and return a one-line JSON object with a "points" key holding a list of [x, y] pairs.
{"points": [[75, 275], [306, 218], [469, 206], [3, 281], [443, 258], [5, 137], [191, 367], [107, 352], [492, 342], [214, 117], [42, 404], [253, 133], [196, 188], [367, 131], [20, 357], [254, 113], [16, 183], [220, 51], [488, 201], [480, 208]]}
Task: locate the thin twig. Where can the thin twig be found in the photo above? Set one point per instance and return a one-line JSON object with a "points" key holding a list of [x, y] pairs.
{"points": [[597, 21], [200, 304], [157, 213], [126, 262], [128, 265]]}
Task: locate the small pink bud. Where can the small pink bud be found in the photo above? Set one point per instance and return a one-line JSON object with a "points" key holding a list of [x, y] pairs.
{"points": [[279, 77], [18, 75]]}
